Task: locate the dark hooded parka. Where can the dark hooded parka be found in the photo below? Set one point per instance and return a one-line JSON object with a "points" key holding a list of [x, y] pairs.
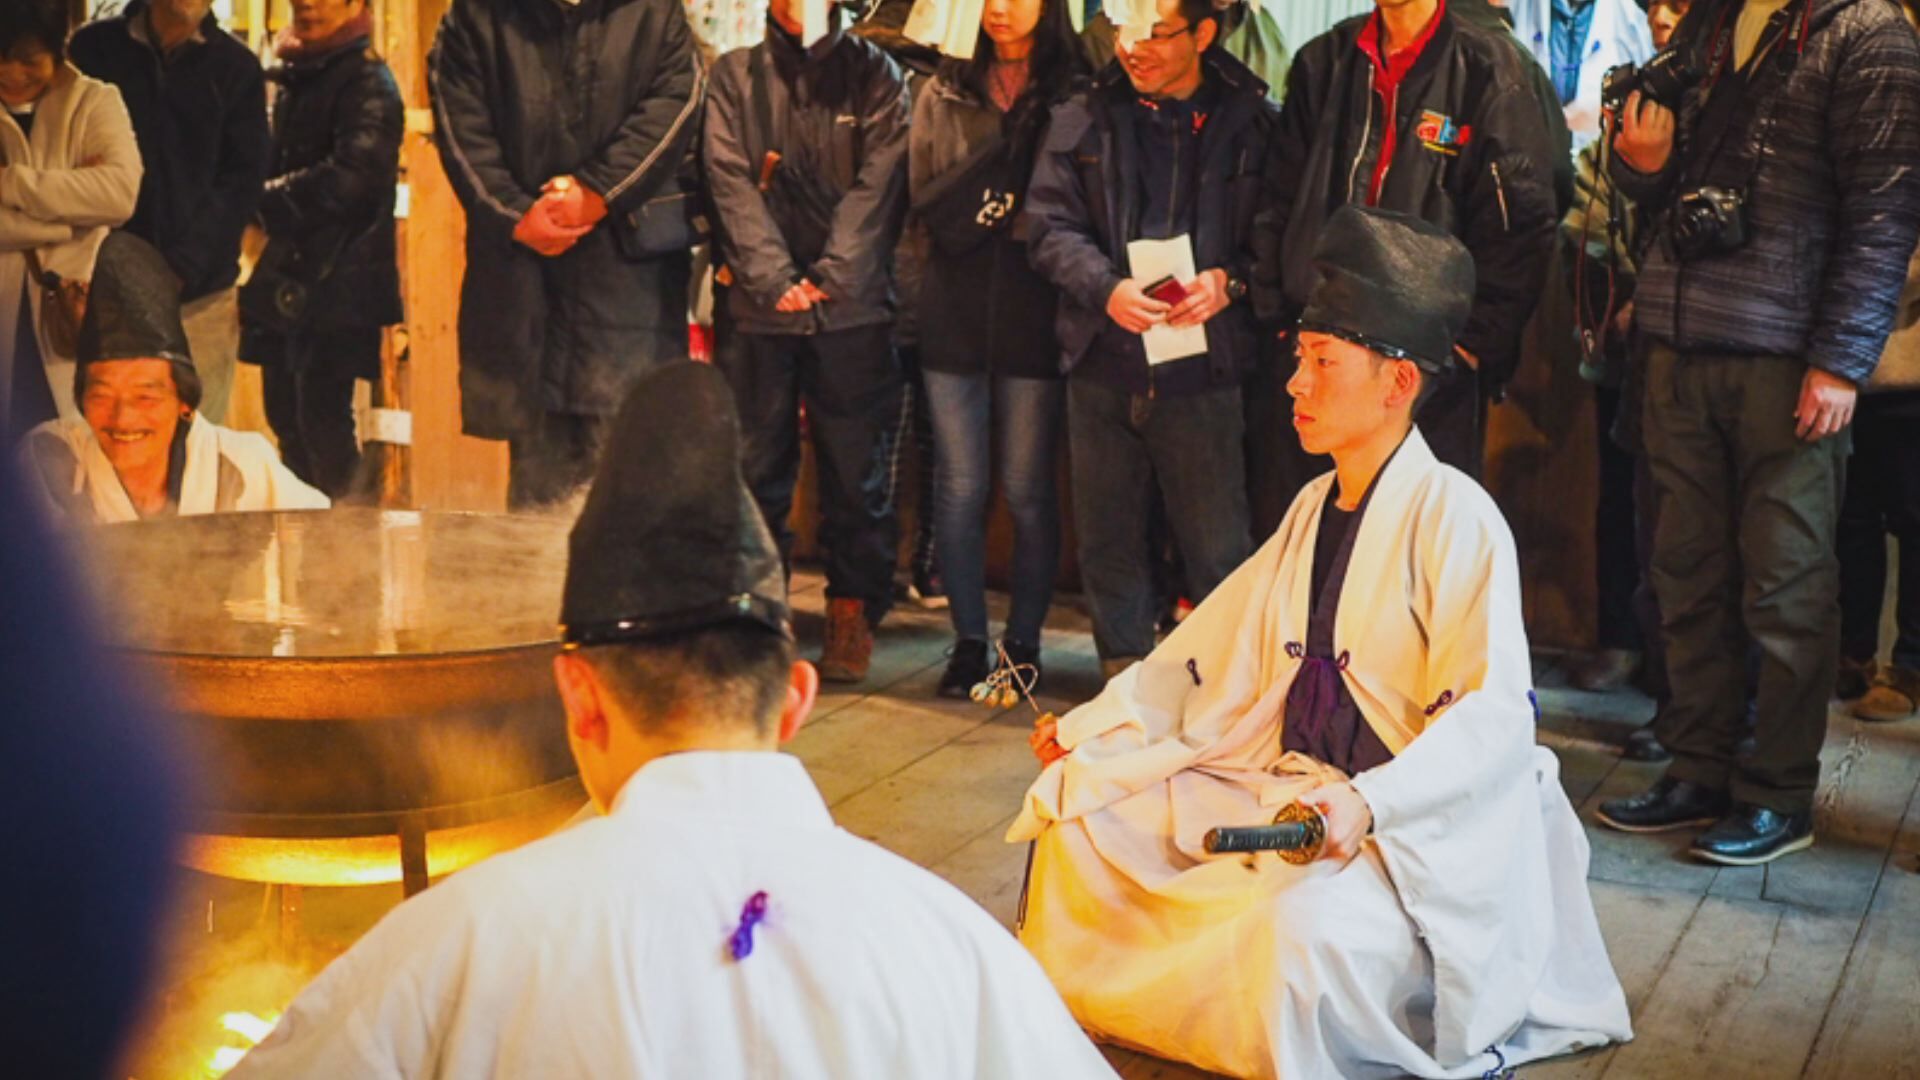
{"points": [[607, 91]]}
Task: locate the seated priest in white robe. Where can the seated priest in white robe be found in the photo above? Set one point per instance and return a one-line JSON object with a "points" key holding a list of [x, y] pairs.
{"points": [[1368, 662], [714, 923], [140, 449]]}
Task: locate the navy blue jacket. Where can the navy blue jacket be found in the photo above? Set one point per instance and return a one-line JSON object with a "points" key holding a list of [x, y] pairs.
{"points": [[1083, 206], [200, 116]]}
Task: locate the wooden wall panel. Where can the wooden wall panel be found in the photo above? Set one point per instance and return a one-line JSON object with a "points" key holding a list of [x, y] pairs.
{"points": [[450, 471]]}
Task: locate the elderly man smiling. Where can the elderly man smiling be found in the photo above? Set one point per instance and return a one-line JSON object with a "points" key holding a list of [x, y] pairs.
{"points": [[140, 450]]}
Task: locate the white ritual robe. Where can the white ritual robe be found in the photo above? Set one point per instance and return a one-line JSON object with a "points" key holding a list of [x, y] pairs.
{"points": [[1464, 926], [602, 951], [226, 470]]}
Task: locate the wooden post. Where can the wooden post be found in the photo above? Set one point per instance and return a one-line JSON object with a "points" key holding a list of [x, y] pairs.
{"points": [[442, 469]]}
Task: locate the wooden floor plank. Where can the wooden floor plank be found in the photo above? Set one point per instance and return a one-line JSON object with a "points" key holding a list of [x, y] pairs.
{"points": [[1584, 764], [872, 739], [1743, 995], [1867, 776], [990, 870], [1872, 1028], [937, 805]]}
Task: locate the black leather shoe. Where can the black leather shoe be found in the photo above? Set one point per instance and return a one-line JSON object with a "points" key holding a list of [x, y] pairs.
{"points": [[1668, 804], [1751, 835], [965, 668], [1644, 745], [1024, 657]]}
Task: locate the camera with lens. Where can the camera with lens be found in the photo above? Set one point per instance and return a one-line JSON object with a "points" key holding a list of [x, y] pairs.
{"points": [[1707, 221], [1662, 80]]}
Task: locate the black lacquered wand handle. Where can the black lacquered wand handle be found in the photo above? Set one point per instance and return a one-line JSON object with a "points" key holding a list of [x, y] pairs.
{"points": [[1297, 835], [1258, 838]]}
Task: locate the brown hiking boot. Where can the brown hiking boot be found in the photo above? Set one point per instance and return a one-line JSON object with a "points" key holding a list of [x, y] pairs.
{"points": [[849, 648], [1894, 696]]}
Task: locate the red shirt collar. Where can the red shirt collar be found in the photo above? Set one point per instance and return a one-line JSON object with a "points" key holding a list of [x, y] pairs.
{"points": [[1389, 71]]}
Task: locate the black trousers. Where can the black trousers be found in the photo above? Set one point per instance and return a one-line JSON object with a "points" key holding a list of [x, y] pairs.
{"points": [[555, 459], [308, 394], [916, 431], [1617, 561], [849, 381], [1882, 497]]}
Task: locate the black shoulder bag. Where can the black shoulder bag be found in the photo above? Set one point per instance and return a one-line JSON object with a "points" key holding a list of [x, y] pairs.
{"points": [[278, 296]]}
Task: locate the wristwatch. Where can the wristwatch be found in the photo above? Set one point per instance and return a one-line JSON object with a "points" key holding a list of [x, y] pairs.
{"points": [[1236, 289]]}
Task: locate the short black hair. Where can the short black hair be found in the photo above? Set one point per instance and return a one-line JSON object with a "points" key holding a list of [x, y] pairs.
{"points": [[45, 23], [722, 675], [1430, 381], [1197, 11], [186, 382]]}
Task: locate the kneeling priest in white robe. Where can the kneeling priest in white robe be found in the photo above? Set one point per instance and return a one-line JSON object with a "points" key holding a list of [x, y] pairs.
{"points": [[140, 448], [714, 923], [1368, 662]]}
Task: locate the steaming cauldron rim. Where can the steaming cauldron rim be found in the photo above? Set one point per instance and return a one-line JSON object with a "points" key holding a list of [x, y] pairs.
{"points": [[369, 688], [301, 826]]}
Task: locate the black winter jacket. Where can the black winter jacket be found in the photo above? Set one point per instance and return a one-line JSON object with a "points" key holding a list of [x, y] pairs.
{"points": [[841, 113], [983, 307], [1833, 206], [336, 157], [200, 115], [1472, 153], [1085, 198], [607, 91]]}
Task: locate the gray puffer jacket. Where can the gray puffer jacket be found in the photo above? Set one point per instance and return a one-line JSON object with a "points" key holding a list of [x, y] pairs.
{"points": [[1833, 203], [839, 112]]}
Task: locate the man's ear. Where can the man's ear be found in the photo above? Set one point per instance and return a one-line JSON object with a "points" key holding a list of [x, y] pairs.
{"points": [[803, 687], [1205, 34], [580, 695], [1406, 384]]}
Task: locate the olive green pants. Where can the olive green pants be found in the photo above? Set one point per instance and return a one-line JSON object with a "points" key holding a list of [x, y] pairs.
{"points": [[1743, 553]]}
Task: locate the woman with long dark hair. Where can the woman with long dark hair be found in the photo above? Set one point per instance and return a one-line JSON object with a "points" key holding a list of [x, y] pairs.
{"points": [[986, 320]]}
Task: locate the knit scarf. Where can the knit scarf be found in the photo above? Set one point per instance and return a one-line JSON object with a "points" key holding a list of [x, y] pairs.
{"points": [[294, 49]]}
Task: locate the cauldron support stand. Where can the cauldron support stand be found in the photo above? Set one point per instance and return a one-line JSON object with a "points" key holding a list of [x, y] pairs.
{"points": [[413, 854]]}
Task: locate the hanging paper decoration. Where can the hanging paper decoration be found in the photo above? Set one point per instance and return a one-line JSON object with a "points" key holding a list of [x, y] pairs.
{"points": [[726, 25]]}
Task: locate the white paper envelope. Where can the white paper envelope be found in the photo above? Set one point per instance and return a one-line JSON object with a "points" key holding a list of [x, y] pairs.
{"points": [[1152, 260]]}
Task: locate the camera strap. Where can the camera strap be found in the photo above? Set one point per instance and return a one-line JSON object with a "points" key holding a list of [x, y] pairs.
{"points": [[1726, 114]]}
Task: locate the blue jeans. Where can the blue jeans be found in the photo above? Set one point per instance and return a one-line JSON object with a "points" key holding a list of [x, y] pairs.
{"points": [[1122, 445], [975, 417]]}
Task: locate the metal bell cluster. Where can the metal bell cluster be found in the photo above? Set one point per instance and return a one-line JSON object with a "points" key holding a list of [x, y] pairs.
{"points": [[994, 694]]}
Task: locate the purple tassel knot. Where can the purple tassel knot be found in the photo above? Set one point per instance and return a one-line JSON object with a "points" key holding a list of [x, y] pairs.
{"points": [[741, 941]]}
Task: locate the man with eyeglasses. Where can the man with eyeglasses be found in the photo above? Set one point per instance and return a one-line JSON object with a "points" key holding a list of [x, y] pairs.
{"points": [[1414, 109], [1166, 143]]}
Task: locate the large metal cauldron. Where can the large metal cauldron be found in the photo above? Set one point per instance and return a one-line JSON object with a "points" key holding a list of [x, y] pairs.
{"points": [[372, 690]]}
